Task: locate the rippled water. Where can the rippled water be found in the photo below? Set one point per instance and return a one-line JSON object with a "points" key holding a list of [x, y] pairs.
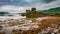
{"points": [[15, 16]]}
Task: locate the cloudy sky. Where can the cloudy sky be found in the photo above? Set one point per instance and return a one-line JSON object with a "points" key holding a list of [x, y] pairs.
{"points": [[16, 6]]}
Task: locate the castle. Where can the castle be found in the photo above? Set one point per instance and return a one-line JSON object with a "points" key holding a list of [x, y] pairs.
{"points": [[32, 10], [31, 13]]}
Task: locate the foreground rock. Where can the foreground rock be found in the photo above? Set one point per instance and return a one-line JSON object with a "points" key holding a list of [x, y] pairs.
{"points": [[27, 25]]}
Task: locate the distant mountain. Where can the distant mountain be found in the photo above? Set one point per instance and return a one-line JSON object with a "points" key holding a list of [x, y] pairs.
{"points": [[55, 8], [52, 10], [3, 13]]}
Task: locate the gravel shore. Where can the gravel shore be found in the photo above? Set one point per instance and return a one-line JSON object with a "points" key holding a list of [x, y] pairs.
{"points": [[10, 26]]}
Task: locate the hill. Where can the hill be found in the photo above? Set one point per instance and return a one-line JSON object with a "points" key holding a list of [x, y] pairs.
{"points": [[52, 10], [3, 13]]}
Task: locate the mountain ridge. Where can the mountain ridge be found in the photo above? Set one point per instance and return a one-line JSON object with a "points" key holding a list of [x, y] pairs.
{"points": [[52, 10]]}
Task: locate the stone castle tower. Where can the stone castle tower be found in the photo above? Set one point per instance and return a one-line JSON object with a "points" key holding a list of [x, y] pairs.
{"points": [[33, 9]]}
